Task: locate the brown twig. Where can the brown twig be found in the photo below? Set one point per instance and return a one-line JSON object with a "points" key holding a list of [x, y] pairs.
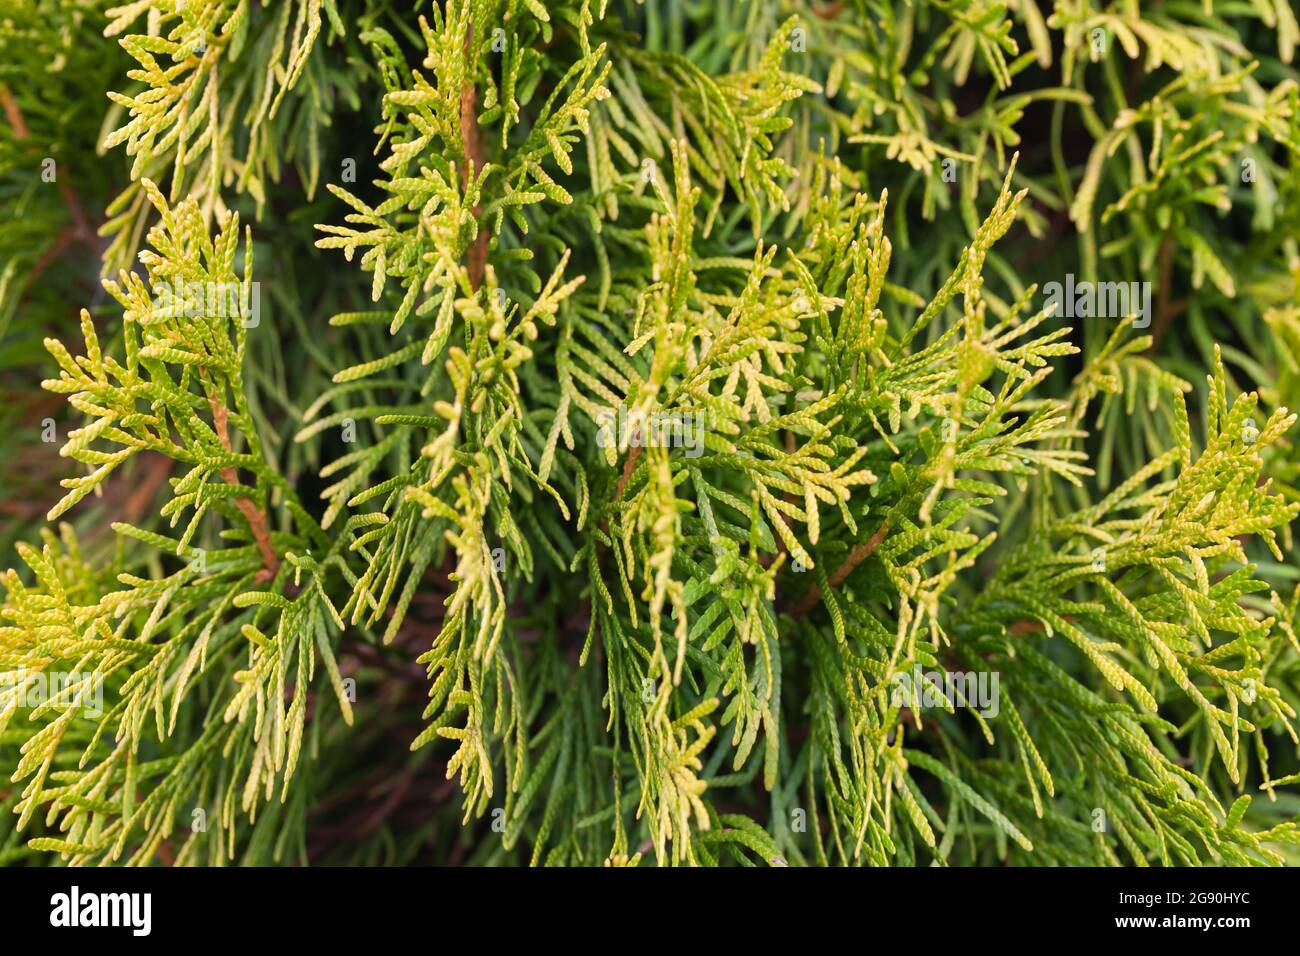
{"points": [[80, 225], [1166, 309], [51, 255], [13, 114], [1030, 625], [255, 516], [137, 503], [856, 557], [130, 496], [471, 138], [629, 466]]}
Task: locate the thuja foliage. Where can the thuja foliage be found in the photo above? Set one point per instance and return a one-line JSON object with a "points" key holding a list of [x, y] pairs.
{"points": [[580, 432]]}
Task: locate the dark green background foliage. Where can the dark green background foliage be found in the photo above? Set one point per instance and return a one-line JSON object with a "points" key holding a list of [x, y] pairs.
{"points": [[375, 580]]}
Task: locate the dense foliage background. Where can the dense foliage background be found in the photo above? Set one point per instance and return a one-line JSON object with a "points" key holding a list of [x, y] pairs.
{"points": [[331, 505]]}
